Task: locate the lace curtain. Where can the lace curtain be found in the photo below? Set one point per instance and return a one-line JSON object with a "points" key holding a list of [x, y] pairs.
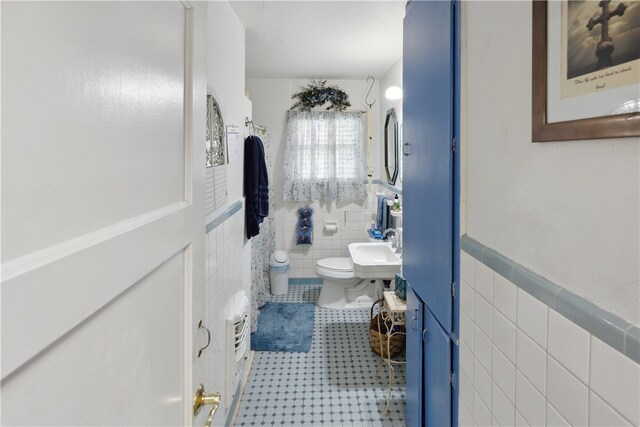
{"points": [[325, 156], [262, 246]]}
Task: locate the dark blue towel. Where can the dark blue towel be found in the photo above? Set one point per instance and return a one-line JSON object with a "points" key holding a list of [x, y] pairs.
{"points": [[382, 221], [305, 222], [256, 185], [386, 216], [304, 228], [305, 212], [305, 236]]}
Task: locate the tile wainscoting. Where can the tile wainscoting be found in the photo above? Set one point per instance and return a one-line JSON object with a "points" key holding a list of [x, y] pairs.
{"points": [[353, 221], [527, 358], [224, 256]]}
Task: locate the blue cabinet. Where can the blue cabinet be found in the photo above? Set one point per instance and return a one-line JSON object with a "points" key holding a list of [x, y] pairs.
{"points": [[428, 163], [438, 373], [415, 327], [430, 197], [431, 372]]}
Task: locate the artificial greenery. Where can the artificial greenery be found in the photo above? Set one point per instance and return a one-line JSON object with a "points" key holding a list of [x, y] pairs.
{"points": [[318, 93]]}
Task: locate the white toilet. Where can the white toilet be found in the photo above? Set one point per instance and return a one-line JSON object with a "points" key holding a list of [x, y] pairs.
{"points": [[341, 289]]}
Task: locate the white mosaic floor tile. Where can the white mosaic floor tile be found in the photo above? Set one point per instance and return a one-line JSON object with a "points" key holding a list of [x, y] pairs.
{"points": [[331, 385]]}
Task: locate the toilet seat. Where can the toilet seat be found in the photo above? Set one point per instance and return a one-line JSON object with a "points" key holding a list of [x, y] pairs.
{"points": [[335, 268]]}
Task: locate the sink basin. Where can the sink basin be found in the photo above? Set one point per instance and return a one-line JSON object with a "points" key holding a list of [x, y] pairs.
{"points": [[374, 260]]}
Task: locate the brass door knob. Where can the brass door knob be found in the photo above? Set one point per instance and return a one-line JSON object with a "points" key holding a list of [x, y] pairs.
{"points": [[201, 399]]}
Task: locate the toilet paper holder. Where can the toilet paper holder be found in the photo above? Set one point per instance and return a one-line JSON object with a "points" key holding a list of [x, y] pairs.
{"points": [[331, 226]]}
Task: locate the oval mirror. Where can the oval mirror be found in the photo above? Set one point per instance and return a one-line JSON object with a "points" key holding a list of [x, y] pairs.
{"points": [[391, 146]]}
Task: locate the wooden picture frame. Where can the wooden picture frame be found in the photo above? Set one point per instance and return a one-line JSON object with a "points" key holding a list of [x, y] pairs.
{"points": [[614, 126]]}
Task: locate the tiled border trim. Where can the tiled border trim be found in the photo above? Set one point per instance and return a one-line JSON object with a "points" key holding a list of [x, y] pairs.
{"points": [[387, 186], [305, 281], [613, 330], [224, 216]]}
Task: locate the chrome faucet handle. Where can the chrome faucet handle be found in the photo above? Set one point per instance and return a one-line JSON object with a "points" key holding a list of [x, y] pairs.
{"points": [[384, 233], [396, 243]]}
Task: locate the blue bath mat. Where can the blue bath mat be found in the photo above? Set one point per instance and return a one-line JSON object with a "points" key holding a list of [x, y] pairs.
{"points": [[284, 327]]}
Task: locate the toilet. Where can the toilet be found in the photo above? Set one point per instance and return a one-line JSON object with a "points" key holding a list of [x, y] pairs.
{"points": [[341, 289]]}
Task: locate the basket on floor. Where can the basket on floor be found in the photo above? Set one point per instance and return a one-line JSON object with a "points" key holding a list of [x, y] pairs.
{"points": [[379, 326]]}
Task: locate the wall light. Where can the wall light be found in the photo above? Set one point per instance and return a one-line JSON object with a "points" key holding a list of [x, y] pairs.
{"points": [[393, 92]]}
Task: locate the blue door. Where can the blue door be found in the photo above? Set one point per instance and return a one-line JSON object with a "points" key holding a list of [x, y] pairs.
{"points": [[415, 327], [428, 131]]}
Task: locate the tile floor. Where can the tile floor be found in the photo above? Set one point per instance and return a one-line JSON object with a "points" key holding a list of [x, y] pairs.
{"points": [[331, 385]]}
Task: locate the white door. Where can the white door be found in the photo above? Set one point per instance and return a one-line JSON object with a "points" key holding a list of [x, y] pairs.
{"points": [[102, 212]]}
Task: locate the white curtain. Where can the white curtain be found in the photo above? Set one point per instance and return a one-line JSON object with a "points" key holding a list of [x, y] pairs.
{"points": [[325, 156]]}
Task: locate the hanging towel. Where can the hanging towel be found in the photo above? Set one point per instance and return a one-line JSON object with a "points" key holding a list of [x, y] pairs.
{"points": [[305, 212], [304, 228], [305, 236], [381, 218], [386, 216], [256, 185], [305, 222]]}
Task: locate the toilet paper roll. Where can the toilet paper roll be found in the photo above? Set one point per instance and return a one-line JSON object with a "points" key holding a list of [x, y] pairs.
{"points": [[331, 227]]}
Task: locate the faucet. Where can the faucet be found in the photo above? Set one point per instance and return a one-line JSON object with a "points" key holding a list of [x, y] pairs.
{"points": [[396, 243]]}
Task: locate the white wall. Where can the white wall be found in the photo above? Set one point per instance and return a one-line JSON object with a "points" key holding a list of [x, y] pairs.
{"points": [[566, 210], [225, 78], [228, 252], [271, 99]]}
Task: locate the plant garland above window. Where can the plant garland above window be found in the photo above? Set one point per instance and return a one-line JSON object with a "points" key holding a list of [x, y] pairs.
{"points": [[318, 93]]}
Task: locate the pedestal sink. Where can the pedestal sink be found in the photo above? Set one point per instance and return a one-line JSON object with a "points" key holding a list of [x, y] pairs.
{"points": [[374, 260]]}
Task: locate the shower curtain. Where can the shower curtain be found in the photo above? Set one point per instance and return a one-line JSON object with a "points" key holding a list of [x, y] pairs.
{"points": [[262, 246]]}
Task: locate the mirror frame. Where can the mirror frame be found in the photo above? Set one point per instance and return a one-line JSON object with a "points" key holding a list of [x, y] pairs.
{"points": [[391, 169]]}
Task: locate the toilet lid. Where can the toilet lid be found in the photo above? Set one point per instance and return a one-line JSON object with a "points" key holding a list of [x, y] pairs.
{"points": [[338, 264], [280, 256]]}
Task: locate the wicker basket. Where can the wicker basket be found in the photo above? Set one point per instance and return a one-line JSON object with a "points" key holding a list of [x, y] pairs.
{"points": [[378, 328]]}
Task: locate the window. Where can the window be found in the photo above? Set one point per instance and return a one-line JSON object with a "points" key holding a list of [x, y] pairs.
{"points": [[325, 156]]}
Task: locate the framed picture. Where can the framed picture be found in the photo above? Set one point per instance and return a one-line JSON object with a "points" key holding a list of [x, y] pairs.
{"points": [[586, 70]]}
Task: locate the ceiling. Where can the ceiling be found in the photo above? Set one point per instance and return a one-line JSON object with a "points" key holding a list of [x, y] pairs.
{"points": [[321, 39]]}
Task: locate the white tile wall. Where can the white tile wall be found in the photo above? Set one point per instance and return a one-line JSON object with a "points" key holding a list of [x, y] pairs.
{"points": [[567, 393], [601, 414], [504, 297], [467, 268], [503, 374], [464, 414], [532, 318], [555, 419], [616, 379], [482, 383], [569, 344], [484, 281], [502, 407], [522, 363], [481, 412], [520, 421], [353, 221], [504, 335], [483, 314], [530, 403], [223, 246], [531, 360]]}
